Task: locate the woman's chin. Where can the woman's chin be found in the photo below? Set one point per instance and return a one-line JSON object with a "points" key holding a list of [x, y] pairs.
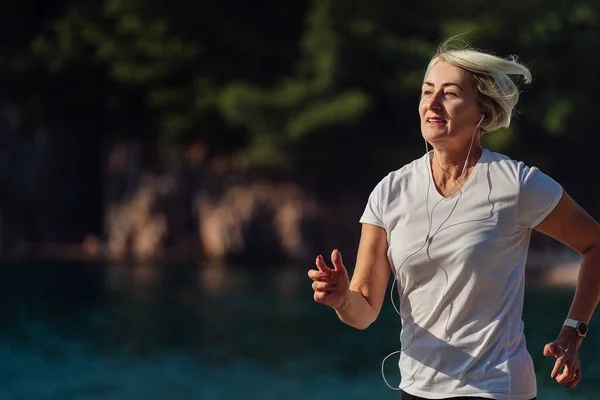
{"points": [[435, 133]]}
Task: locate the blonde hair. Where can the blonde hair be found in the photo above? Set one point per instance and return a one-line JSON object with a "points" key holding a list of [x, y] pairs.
{"points": [[497, 93]]}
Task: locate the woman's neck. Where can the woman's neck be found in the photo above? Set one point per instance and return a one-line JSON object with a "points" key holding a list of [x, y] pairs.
{"points": [[453, 163], [450, 171]]}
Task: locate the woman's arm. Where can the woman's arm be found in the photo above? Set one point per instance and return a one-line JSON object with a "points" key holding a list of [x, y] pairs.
{"points": [[571, 225], [364, 299], [357, 302]]}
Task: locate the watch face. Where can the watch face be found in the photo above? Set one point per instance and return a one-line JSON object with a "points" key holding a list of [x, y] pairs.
{"points": [[582, 328]]}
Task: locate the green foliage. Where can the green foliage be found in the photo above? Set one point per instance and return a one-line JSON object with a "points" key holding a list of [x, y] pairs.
{"points": [[291, 78], [307, 101]]}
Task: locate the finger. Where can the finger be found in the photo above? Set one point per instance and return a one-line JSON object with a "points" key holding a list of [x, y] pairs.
{"points": [[557, 366], [317, 275], [320, 297], [336, 259], [575, 380], [553, 349], [321, 265], [323, 286], [565, 375]]}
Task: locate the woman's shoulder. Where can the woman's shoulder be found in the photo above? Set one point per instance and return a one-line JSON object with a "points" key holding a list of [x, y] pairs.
{"points": [[518, 171], [396, 179], [504, 162], [501, 158], [408, 170]]}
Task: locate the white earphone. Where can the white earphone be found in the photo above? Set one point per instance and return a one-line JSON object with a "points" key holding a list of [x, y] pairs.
{"points": [[427, 239], [481, 120]]}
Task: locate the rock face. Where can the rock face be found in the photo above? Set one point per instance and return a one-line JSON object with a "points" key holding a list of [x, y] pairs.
{"points": [[205, 209], [64, 192]]}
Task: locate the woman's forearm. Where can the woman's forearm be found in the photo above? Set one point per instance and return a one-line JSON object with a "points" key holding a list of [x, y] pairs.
{"points": [[356, 311], [587, 293]]}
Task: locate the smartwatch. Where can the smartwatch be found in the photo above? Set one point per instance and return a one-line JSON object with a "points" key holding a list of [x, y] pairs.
{"points": [[580, 326]]}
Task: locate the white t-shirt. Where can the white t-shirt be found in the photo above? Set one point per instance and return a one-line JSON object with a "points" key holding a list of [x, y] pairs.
{"points": [[461, 291]]}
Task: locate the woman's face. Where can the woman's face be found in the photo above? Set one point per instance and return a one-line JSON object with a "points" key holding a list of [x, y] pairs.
{"points": [[449, 109]]}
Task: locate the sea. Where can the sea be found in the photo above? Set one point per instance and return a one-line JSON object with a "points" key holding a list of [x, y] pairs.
{"points": [[100, 330]]}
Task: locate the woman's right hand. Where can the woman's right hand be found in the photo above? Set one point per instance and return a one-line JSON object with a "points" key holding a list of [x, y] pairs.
{"points": [[331, 285]]}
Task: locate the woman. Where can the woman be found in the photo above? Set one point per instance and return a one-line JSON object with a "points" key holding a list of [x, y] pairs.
{"points": [[453, 227]]}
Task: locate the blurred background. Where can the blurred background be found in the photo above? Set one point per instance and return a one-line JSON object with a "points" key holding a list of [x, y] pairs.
{"points": [[169, 171]]}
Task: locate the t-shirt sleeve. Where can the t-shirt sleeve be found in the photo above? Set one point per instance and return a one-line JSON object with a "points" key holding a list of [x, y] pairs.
{"points": [[374, 210], [538, 195]]}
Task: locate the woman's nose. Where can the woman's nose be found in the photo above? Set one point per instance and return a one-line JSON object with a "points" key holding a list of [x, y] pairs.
{"points": [[434, 102]]}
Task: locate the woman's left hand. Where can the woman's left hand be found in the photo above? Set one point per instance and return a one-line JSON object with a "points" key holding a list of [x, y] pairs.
{"points": [[567, 369]]}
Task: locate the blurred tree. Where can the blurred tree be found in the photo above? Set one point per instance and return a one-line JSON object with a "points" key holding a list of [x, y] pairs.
{"points": [[308, 100], [329, 88]]}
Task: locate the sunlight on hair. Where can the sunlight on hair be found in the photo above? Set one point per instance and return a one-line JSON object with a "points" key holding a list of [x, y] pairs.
{"points": [[498, 93]]}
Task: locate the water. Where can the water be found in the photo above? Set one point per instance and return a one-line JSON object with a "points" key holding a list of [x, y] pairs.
{"points": [[93, 331]]}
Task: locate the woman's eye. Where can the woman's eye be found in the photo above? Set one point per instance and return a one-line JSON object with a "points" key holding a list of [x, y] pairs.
{"points": [[452, 94]]}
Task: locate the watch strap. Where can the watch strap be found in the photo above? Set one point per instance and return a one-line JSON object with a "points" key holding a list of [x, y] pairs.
{"points": [[574, 323]]}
